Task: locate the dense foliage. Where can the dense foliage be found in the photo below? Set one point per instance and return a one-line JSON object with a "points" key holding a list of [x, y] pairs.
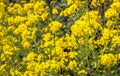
{"points": [[59, 37]]}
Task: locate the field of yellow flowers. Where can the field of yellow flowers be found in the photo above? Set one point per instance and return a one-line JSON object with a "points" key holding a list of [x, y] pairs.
{"points": [[59, 37]]}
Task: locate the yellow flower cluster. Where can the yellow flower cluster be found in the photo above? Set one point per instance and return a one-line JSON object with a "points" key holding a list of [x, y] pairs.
{"points": [[71, 9], [54, 26], [108, 59], [65, 38], [54, 11], [82, 72]]}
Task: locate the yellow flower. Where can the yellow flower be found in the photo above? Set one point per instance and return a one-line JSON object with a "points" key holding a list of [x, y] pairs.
{"points": [[82, 72], [54, 11], [39, 58], [94, 3], [46, 37], [111, 13], [72, 54], [31, 56], [70, 10], [26, 44], [55, 26], [110, 23], [26, 35], [102, 1], [9, 49], [118, 56], [44, 16], [39, 7], [69, 2], [108, 59], [2, 67], [11, 28], [2, 57], [32, 18], [72, 64], [27, 7], [15, 9], [18, 73], [77, 28], [33, 33], [21, 28], [19, 19]]}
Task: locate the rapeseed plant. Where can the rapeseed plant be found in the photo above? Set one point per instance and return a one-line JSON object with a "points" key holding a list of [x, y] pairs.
{"points": [[59, 37]]}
